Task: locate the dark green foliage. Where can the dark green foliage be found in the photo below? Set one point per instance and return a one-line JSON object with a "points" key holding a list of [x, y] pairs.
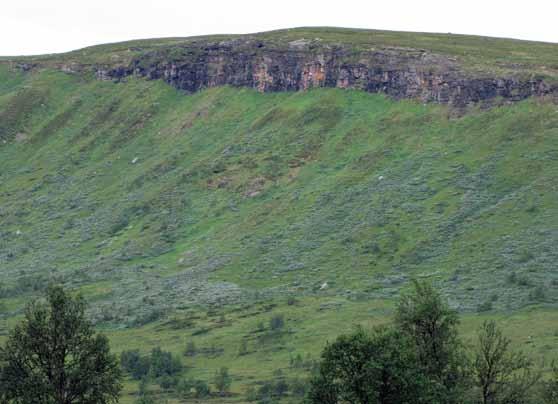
{"points": [[425, 317], [160, 365], [201, 389], [378, 367], [423, 357], [190, 387], [135, 364], [184, 387], [277, 322], [164, 363], [281, 388], [265, 392], [222, 381], [187, 388], [270, 391], [502, 376], [291, 301], [168, 382], [298, 387], [523, 281], [54, 356]]}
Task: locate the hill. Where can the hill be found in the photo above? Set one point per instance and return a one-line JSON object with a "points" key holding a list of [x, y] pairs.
{"points": [[199, 217]]}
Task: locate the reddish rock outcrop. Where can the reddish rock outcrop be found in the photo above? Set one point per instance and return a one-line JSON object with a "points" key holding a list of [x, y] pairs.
{"points": [[397, 72]]}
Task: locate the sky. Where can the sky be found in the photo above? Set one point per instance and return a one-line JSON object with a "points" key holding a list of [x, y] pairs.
{"points": [[30, 27]]}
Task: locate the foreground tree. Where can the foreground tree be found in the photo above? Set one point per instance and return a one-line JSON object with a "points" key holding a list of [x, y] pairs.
{"points": [[376, 368], [426, 318], [54, 357], [502, 376]]}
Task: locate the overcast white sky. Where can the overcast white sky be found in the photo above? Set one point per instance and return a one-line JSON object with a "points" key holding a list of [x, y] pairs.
{"points": [[46, 26]]}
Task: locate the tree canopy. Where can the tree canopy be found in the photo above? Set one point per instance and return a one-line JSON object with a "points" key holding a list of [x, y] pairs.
{"points": [[426, 318], [419, 358], [54, 356], [372, 368]]}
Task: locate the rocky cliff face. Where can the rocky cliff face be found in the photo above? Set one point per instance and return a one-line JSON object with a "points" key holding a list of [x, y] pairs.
{"points": [[397, 72]]}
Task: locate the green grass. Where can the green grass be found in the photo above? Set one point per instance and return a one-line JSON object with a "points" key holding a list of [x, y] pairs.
{"points": [[168, 211]]}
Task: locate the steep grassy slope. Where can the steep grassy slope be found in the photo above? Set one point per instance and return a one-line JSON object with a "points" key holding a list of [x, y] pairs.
{"points": [[197, 217]]}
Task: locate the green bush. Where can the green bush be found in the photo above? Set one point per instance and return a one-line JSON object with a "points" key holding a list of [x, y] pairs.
{"points": [[168, 382], [298, 387], [363, 367], [277, 322], [164, 363], [202, 389], [280, 389], [222, 381], [265, 391], [133, 363]]}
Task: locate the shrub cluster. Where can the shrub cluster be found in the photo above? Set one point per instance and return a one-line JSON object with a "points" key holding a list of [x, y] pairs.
{"points": [[159, 365], [420, 359]]}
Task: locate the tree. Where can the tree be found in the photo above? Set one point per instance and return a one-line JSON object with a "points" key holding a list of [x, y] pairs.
{"points": [[426, 318], [54, 356], [163, 363], [280, 389], [376, 368], [201, 388], [502, 376], [137, 365], [243, 349], [222, 381]]}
